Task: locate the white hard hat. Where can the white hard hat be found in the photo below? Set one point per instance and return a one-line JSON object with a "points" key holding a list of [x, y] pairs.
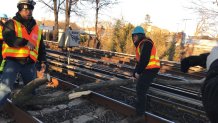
{"points": [[29, 2]]}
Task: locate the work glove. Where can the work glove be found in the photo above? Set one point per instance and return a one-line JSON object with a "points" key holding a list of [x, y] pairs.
{"points": [[41, 69], [2, 65], [53, 83]]}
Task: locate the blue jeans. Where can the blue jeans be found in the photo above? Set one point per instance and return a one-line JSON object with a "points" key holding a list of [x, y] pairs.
{"points": [[11, 69]]}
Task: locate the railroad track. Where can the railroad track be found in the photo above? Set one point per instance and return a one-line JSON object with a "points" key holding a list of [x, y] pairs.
{"points": [[116, 57], [191, 107], [182, 95], [117, 106], [118, 70], [95, 107], [16, 115], [115, 70], [84, 60], [119, 66]]}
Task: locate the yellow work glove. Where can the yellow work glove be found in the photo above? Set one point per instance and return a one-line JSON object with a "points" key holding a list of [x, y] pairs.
{"points": [[2, 65]]}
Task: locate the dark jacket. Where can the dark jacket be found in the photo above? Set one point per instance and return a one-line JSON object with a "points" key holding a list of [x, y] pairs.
{"points": [[209, 92], [144, 57], [213, 70], [12, 40]]}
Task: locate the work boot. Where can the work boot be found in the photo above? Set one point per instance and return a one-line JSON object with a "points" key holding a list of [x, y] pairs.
{"points": [[139, 119]]}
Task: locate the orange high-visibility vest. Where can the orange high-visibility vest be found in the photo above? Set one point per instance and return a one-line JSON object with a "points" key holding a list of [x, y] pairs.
{"points": [[34, 37], [1, 28], [154, 61]]}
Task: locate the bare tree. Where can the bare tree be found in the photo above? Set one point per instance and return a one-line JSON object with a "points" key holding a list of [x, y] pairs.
{"points": [[54, 5], [207, 10], [200, 25], [72, 6], [99, 5], [67, 13]]}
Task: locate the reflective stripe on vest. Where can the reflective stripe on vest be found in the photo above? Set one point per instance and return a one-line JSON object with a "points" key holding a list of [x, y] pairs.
{"points": [[154, 61], [34, 36], [1, 37]]}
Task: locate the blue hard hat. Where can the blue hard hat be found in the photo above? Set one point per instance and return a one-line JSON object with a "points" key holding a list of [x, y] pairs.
{"points": [[138, 29], [3, 16]]}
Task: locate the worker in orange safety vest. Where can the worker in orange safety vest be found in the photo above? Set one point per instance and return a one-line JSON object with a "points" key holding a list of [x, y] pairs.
{"points": [[3, 19], [147, 67], [22, 47]]}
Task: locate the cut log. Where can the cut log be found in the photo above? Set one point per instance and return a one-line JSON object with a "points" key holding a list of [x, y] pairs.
{"points": [[46, 100], [104, 84], [26, 92], [77, 92]]}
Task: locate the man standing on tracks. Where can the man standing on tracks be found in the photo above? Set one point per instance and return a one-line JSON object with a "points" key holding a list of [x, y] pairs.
{"points": [[147, 67], [3, 19], [22, 47]]}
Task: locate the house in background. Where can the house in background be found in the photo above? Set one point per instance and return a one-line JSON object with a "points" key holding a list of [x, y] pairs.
{"points": [[196, 45]]}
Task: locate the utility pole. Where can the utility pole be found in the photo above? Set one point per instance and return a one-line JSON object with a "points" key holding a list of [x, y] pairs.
{"points": [[148, 22], [185, 21]]}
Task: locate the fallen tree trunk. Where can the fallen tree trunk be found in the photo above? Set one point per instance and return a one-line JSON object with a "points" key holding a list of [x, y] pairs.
{"points": [[78, 92], [104, 84], [25, 94], [48, 100]]}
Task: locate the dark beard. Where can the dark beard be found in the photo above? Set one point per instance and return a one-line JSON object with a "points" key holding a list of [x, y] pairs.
{"points": [[136, 43]]}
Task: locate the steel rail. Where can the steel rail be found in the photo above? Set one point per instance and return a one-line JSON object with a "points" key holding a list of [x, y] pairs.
{"points": [[172, 92], [164, 69], [94, 67], [167, 99], [82, 49], [116, 105], [178, 97], [18, 114]]}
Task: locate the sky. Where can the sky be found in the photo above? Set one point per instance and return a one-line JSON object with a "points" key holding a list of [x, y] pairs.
{"points": [[167, 14]]}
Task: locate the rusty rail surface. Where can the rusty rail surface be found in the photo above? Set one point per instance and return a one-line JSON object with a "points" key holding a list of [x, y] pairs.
{"points": [[21, 116], [117, 57], [171, 68], [182, 95], [117, 105], [18, 114]]}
